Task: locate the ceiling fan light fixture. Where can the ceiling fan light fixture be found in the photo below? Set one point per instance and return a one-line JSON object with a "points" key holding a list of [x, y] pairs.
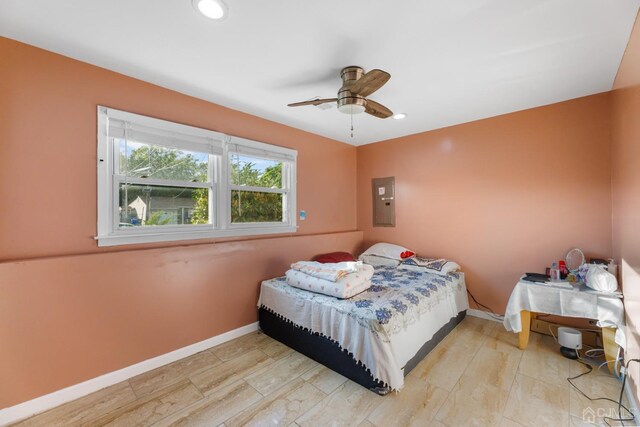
{"points": [[399, 116], [351, 108], [212, 9]]}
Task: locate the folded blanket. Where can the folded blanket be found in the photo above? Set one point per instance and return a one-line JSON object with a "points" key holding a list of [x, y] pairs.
{"points": [[346, 287], [329, 271], [429, 265]]}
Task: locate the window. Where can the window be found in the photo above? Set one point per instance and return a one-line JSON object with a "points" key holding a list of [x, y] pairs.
{"points": [[162, 181]]}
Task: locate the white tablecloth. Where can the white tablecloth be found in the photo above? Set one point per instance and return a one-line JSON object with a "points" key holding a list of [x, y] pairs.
{"points": [[576, 302]]}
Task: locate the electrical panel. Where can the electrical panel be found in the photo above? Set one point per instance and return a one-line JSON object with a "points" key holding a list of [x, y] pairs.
{"points": [[384, 202]]}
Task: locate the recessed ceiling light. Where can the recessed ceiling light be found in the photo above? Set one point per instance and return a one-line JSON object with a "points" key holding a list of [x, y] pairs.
{"points": [[213, 9], [399, 116]]}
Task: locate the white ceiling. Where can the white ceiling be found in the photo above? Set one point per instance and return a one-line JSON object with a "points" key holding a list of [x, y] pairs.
{"points": [[451, 61]]}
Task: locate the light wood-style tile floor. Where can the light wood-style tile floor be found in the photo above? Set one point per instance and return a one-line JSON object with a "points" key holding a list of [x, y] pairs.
{"points": [[476, 376]]}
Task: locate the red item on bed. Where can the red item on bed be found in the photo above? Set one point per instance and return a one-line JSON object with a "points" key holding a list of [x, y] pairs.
{"points": [[334, 257], [407, 254]]}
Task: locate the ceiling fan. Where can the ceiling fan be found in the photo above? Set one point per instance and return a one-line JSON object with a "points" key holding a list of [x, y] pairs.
{"points": [[356, 86]]}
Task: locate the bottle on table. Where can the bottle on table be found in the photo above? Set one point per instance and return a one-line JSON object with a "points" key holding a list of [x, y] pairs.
{"points": [[554, 272]]}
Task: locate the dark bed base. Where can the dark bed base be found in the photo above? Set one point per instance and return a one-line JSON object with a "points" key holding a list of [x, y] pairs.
{"points": [[329, 353]]}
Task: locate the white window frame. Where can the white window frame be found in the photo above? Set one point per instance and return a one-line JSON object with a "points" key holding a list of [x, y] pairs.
{"points": [[219, 146], [256, 149]]}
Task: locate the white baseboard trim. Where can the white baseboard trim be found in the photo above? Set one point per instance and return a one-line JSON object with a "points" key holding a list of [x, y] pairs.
{"points": [[481, 314], [57, 398]]}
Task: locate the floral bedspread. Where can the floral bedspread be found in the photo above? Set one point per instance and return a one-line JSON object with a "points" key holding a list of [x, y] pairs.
{"points": [[395, 299]]}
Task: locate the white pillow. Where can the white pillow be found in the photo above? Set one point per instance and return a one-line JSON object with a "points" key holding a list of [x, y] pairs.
{"points": [[377, 261], [387, 250]]}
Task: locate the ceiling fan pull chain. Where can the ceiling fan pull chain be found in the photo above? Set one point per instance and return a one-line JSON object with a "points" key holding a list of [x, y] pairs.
{"points": [[351, 124]]}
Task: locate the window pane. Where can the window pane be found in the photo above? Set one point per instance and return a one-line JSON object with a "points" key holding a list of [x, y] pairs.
{"points": [[253, 206], [152, 161], [255, 172], [145, 205]]}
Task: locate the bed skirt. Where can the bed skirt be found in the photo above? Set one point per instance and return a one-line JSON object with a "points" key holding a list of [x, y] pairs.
{"points": [[329, 353]]}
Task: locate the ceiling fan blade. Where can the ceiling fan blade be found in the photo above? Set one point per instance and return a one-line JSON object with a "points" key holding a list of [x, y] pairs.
{"points": [[313, 102], [370, 82], [377, 110]]}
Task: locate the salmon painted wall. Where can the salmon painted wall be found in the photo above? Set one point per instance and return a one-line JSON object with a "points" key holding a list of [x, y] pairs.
{"points": [[625, 139], [48, 132], [501, 196], [68, 319], [70, 311]]}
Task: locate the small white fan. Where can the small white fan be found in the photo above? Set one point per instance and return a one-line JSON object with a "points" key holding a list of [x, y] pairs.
{"points": [[574, 259]]}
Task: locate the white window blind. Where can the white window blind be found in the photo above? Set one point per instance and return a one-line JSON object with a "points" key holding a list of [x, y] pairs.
{"points": [[257, 149], [156, 136]]}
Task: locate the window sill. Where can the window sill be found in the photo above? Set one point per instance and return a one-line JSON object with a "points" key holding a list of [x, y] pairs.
{"points": [[172, 236]]}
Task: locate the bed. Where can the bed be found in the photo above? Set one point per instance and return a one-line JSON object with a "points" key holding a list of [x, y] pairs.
{"points": [[374, 338]]}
